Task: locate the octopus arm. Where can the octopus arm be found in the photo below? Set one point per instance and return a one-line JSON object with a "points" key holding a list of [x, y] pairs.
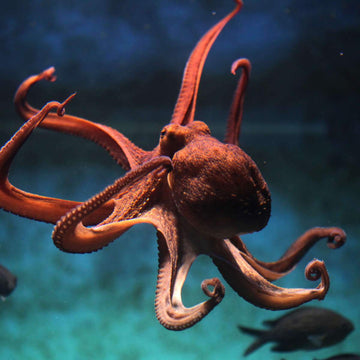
{"points": [[253, 287], [335, 236], [125, 153], [23, 203], [259, 266], [175, 260], [184, 111], [236, 110], [71, 233]]}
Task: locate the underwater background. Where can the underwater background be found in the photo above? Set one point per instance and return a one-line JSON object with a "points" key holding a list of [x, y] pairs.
{"points": [[125, 60]]}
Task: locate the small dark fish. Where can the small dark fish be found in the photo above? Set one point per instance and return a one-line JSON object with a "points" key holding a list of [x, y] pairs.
{"points": [[7, 281], [307, 328], [343, 357]]}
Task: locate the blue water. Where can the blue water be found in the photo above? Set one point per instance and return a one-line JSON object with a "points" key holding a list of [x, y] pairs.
{"points": [[101, 305]]}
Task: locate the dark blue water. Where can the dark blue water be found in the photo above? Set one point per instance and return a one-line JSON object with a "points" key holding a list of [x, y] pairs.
{"points": [[301, 127]]}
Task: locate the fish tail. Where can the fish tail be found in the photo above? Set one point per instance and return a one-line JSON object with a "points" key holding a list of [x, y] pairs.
{"points": [[259, 334]]}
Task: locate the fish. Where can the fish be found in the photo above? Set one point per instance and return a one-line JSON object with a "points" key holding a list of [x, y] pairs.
{"points": [[347, 356], [306, 328], [8, 282]]}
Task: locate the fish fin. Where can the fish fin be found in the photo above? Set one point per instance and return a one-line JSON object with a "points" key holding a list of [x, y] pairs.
{"points": [[253, 332], [254, 346], [316, 340], [270, 323]]}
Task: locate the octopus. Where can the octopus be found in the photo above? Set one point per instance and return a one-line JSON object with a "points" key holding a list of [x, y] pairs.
{"points": [[199, 193]]}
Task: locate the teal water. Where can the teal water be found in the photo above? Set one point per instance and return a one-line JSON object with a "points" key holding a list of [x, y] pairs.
{"points": [[101, 305], [301, 126]]}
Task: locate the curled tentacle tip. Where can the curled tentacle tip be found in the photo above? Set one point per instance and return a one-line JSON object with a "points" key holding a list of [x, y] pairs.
{"points": [[315, 269], [61, 108], [238, 63], [48, 74], [218, 290], [336, 239]]}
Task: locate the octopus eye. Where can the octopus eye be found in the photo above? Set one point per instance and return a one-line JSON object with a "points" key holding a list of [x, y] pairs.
{"points": [[172, 139], [163, 133]]}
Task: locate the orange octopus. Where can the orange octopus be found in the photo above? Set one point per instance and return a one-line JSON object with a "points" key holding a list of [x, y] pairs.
{"points": [[199, 193]]}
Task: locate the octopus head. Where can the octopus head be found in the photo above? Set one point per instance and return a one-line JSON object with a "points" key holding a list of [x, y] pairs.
{"points": [[216, 187]]}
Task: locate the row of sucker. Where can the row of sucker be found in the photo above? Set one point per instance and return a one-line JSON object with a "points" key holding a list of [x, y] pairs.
{"points": [[77, 214]]}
